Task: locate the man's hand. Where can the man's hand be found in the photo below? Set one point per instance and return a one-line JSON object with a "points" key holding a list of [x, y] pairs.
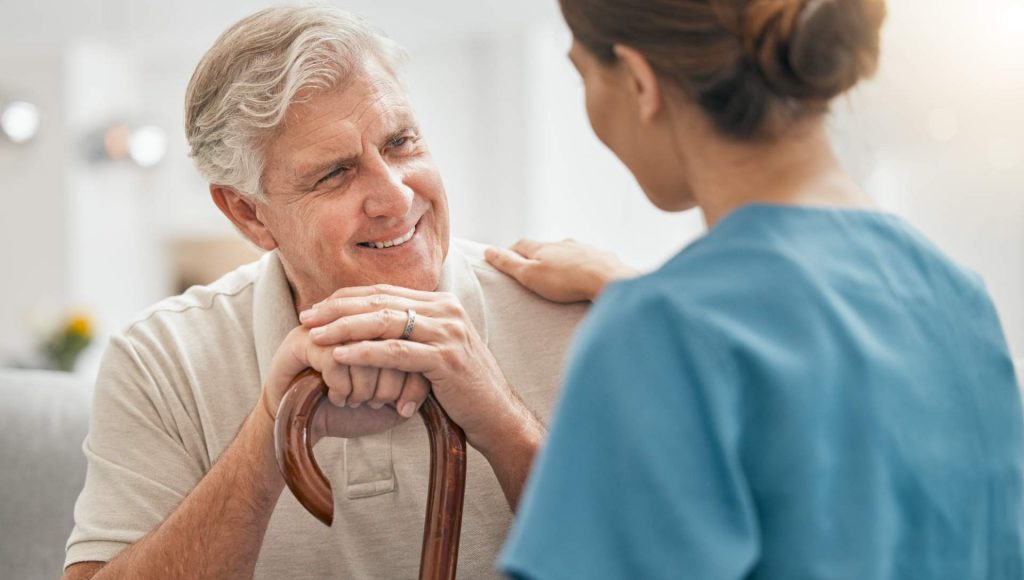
{"points": [[565, 271], [444, 347], [366, 400]]}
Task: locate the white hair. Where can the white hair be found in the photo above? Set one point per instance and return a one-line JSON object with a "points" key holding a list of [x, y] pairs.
{"points": [[242, 88]]}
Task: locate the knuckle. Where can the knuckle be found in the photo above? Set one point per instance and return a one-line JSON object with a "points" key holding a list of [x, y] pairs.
{"points": [[450, 304], [379, 300], [384, 318], [398, 348], [339, 327], [452, 358], [456, 329], [296, 335]]}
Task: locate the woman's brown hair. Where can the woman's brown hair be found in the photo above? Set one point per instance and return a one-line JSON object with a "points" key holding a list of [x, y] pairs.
{"points": [[752, 65]]}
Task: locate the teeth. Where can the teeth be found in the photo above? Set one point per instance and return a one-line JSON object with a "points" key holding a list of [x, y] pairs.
{"points": [[395, 242]]}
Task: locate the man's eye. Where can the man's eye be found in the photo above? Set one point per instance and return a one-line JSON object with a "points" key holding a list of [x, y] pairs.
{"points": [[332, 175], [400, 142]]}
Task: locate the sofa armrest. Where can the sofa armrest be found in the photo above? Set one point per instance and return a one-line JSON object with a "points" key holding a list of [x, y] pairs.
{"points": [[44, 417]]}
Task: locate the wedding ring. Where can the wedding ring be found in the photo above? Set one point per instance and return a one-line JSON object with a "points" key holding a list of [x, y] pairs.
{"points": [[409, 326]]}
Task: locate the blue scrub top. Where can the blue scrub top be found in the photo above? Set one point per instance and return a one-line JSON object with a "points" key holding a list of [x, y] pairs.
{"points": [[800, 394]]}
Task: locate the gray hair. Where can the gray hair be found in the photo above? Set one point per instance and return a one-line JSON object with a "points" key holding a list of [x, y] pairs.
{"points": [[242, 88]]}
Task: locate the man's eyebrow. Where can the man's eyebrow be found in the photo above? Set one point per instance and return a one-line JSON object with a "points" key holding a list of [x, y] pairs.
{"points": [[401, 132], [315, 172], [321, 169]]}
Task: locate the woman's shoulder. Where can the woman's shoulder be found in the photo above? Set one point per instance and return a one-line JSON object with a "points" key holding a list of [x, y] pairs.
{"points": [[728, 276], [718, 299]]}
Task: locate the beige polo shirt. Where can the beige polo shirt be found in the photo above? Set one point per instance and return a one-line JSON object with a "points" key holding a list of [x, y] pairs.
{"points": [[175, 387]]}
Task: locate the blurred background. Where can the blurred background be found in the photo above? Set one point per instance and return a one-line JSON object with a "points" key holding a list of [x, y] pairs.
{"points": [[102, 213]]}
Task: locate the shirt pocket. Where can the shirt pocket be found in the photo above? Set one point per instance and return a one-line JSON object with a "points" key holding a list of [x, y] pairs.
{"points": [[369, 466]]}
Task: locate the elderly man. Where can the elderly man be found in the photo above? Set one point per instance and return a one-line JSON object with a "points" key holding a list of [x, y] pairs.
{"points": [[310, 145]]}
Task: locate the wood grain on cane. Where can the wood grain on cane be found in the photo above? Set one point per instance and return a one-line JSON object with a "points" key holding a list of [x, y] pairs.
{"points": [[294, 448]]}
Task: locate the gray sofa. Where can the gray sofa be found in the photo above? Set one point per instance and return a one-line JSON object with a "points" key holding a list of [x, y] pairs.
{"points": [[43, 420]]}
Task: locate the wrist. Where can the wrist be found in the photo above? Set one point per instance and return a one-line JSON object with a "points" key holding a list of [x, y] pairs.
{"points": [[258, 431], [265, 404], [519, 430], [604, 276]]}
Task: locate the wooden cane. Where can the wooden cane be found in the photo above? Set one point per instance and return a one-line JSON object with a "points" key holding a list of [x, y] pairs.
{"points": [[294, 448]]}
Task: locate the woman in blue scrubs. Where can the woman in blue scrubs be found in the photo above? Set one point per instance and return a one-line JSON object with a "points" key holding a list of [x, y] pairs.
{"points": [[812, 389]]}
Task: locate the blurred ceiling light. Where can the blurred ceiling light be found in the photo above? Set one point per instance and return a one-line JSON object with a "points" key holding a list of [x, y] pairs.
{"points": [[1013, 19], [1001, 28], [144, 145], [147, 145], [19, 121]]}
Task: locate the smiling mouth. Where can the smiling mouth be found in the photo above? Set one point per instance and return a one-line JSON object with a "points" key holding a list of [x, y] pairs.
{"points": [[390, 243]]}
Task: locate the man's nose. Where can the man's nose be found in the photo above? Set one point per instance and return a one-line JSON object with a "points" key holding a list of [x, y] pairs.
{"points": [[388, 195]]}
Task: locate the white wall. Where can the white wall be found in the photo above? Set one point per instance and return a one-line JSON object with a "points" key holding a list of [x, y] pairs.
{"points": [[115, 265], [33, 222], [937, 138]]}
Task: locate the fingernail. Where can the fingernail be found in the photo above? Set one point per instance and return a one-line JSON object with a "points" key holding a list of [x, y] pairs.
{"points": [[317, 332], [355, 405], [306, 315], [376, 406], [408, 409]]}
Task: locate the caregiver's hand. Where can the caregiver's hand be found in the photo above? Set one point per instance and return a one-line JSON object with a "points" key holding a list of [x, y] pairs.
{"points": [[443, 346], [565, 271], [365, 400]]}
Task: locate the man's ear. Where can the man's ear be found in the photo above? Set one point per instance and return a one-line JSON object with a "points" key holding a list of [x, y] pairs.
{"points": [[244, 214], [643, 81]]}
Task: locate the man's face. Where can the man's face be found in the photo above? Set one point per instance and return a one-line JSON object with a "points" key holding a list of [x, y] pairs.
{"points": [[346, 173]]}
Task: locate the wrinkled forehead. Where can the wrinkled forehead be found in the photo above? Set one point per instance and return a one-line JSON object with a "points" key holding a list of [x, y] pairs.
{"points": [[369, 107], [366, 96]]}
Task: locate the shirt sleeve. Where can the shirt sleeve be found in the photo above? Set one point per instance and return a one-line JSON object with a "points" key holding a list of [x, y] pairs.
{"points": [[641, 475], [138, 468]]}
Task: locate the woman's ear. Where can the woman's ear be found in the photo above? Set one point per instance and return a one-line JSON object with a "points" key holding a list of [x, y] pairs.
{"points": [[245, 214], [643, 81]]}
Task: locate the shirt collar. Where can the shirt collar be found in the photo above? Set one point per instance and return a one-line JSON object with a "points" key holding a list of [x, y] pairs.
{"points": [[274, 313]]}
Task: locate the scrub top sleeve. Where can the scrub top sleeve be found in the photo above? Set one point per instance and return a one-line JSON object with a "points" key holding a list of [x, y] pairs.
{"points": [[640, 477]]}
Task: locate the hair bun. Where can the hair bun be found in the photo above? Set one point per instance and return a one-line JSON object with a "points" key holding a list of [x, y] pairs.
{"points": [[813, 49]]}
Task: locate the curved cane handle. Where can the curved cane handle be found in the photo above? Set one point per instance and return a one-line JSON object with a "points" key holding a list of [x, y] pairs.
{"points": [[294, 449]]}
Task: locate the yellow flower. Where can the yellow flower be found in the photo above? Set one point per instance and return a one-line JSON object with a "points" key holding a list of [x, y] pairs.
{"points": [[80, 325]]}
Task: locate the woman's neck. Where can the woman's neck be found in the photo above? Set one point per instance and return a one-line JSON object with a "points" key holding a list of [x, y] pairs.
{"points": [[800, 169]]}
